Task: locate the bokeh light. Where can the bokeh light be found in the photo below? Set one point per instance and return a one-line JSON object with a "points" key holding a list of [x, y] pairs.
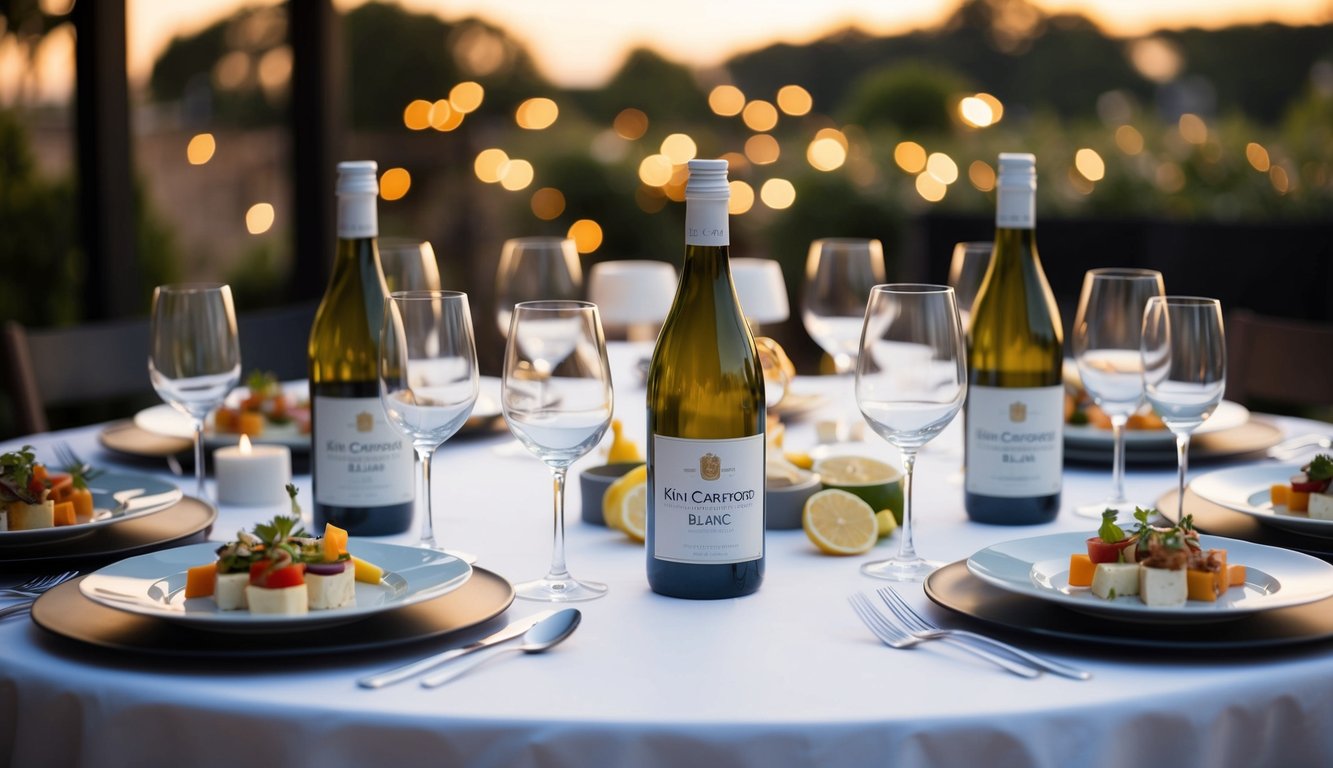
{"points": [[201, 148], [586, 234], [726, 100], [795, 100], [762, 149], [1129, 140], [826, 153], [679, 148], [232, 70], [536, 114], [674, 189], [742, 198], [259, 219], [996, 107], [1277, 175], [910, 156], [760, 116], [931, 189], [1258, 157], [466, 96], [778, 194], [416, 115], [548, 203], [516, 175], [1090, 164], [650, 199], [394, 183], [631, 124], [1170, 178], [981, 175], [942, 167], [975, 112], [655, 170], [1193, 129], [488, 164]]}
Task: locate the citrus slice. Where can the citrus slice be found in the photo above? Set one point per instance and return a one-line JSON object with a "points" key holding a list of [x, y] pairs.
{"points": [[877, 483], [887, 522], [613, 501], [840, 523], [634, 512]]}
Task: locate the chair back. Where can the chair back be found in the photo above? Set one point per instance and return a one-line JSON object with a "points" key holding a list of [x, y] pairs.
{"points": [[1273, 360]]}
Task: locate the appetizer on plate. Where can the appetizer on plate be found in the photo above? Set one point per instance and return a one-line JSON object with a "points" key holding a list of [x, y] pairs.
{"points": [[1162, 565], [265, 406], [1308, 491], [33, 497]]}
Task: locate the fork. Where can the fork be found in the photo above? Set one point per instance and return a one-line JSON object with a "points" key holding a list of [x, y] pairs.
{"points": [[72, 463], [918, 626], [1296, 447], [895, 637], [37, 585]]}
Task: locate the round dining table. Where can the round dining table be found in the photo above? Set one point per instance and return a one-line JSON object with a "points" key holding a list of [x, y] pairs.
{"points": [[786, 676]]}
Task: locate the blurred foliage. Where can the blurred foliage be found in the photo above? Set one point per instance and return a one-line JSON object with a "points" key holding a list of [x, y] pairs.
{"points": [[911, 96], [259, 279]]}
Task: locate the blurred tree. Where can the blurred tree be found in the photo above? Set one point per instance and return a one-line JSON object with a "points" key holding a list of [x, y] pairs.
{"points": [[914, 97], [668, 92], [25, 24]]}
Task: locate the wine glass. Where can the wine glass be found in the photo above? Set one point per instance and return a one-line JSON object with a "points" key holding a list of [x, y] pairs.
{"points": [[557, 400], [535, 269], [839, 273], [194, 357], [1184, 368], [428, 376], [911, 378], [408, 264], [967, 268], [1107, 332]]}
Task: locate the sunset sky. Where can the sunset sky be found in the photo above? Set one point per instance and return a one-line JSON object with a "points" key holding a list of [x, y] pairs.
{"points": [[582, 42]]}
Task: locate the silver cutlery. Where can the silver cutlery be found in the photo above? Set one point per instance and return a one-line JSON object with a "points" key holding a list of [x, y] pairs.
{"points": [[918, 626], [17, 608], [543, 635], [1296, 447], [71, 462], [896, 637], [37, 585], [398, 674]]}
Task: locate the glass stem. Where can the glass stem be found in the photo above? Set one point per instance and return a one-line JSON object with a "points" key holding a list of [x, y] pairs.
{"points": [[199, 458], [906, 547], [423, 493], [1118, 462], [1182, 463], [558, 571]]}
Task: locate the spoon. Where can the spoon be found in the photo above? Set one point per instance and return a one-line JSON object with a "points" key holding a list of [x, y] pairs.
{"points": [[545, 634]]}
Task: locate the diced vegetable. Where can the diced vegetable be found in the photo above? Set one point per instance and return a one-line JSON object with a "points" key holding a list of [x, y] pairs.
{"points": [[201, 580], [334, 542], [1201, 585], [250, 423], [1100, 551], [279, 578], [1280, 493], [1080, 570], [82, 498], [326, 569], [1236, 575], [368, 573], [63, 513], [1298, 501]]}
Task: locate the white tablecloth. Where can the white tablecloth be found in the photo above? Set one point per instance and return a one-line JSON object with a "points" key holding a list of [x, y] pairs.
{"points": [[787, 676]]}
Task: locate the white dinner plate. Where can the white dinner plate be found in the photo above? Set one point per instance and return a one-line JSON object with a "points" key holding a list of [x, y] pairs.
{"points": [[116, 498], [1228, 415], [1039, 567], [1246, 489], [154, 585]]}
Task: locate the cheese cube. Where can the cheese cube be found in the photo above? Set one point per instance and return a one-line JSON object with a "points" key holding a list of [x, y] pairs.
{"points": [[1111, 580], [229, 593], [287, 600], [30, 517], [1162, 587], [333, 591], [1321, 506]]}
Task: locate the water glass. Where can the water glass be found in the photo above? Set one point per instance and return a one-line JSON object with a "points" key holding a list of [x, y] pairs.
{"points": [[408, 264], [839, 273], [535, 269], [1184, 368], [557, 399]]}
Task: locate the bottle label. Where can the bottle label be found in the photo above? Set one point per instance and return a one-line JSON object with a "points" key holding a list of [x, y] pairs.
{"points": [[1014, 441], [357, 217], [360, 459], [1015, 208], [706, 222], [708, 500]]}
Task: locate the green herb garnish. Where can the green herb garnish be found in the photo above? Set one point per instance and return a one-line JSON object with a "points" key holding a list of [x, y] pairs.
{"points": [[1321, 468], [1110, 532], [16, 476]]}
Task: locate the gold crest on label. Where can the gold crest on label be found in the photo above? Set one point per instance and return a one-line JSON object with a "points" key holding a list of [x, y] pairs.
{"points": [[710, 467], [365, 422], [1018, 412]]}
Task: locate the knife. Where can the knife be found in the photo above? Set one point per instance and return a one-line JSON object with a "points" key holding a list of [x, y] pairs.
{"points": [[398, 674]]}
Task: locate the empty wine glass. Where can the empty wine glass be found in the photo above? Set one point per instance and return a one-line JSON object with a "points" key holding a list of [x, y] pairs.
{"points": [[1184, 368], [194, 357], [557, 399], [535, 269], [428, 377], [408, 264], [966, 269], [839, 273], [911, 378], [1107, 333]]}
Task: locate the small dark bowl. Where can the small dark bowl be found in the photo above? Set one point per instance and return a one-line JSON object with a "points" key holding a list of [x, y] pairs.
{"points": [[593, 483], [786, 503]]}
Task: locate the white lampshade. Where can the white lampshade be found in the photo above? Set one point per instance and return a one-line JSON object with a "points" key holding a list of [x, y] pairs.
{"points": [[630, 293], [761, 290]]}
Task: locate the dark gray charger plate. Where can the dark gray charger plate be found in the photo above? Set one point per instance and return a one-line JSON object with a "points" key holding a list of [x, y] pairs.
{"points": [[65, 612], [176, 524], [955, 588], [1252, 437]]}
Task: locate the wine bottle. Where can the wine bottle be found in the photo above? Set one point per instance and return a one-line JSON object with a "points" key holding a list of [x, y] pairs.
{"points": [[705, 418], [1015, 400], [360, 466]]}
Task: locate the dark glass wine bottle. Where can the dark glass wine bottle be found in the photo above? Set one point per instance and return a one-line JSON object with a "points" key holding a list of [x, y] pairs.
{"points": [[1015, 399], [705, 418], [361, 467]]}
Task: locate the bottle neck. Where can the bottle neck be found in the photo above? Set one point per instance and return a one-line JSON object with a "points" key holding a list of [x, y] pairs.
{"points": [[1015, 207], [706, 221], [357, 217]]}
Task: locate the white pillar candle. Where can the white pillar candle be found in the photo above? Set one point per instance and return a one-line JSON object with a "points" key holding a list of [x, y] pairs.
{"points": [[252, 476]]}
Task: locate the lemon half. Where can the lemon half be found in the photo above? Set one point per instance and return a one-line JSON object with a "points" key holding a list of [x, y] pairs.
{"points": [[840, 523], [877, 483]]}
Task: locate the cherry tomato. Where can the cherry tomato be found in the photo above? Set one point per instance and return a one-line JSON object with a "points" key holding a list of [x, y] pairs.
{"points": [[288, 576], [1103, 552]]}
